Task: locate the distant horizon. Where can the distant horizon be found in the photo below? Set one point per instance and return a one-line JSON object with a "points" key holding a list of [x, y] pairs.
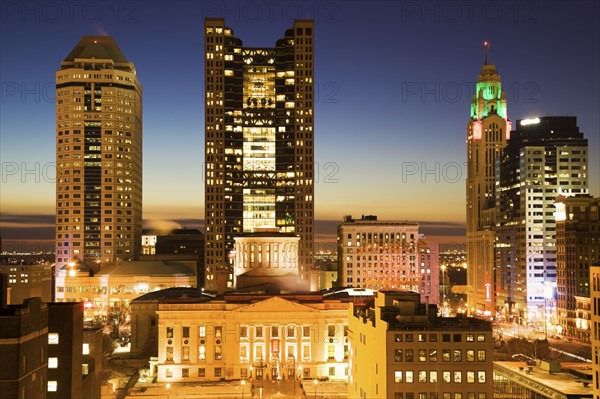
{"points": [[41, 237]]}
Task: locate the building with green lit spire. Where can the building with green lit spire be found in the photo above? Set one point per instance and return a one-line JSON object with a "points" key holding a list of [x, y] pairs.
{"points": [[488, 130]]}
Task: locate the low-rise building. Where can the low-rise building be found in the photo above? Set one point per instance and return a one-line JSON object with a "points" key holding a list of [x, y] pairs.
{"points": [[540, 381], [250, 335], [24, 350], [400, 349], [28, 281], [114, 285]]}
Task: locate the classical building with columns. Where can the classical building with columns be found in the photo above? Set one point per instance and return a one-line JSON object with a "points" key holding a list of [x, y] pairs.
{"points": [[250, 335]]}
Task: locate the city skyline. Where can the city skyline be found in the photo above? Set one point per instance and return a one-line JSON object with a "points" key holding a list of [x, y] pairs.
{"points": [[393, 110]]}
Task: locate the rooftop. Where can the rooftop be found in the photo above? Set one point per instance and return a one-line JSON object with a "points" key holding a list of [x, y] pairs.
{"points": [[149, 268], [100, 47], [556, 384]]}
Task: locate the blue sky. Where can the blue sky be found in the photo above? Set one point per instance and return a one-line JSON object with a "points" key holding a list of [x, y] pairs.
{"points": [[393, 83]]}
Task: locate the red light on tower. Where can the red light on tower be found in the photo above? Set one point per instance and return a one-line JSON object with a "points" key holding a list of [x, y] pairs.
{"points": [[486, 45]]}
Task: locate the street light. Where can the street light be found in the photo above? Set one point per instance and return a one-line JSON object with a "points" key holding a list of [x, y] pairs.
{"points": [[315, 381], [243, 383], [168, 387]]}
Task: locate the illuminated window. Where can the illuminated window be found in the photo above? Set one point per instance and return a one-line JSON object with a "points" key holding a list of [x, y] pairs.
{"points": [[481, 355], [331, 351], [398, 376], [433, 355], [409, 376], [481, 377], [457, 376], [422, 376], [457, 355], [202, 352], [52, 362], [169, 332], [86, 349], [446, 376], [52, 338], [202, 331], [470, 377], [52, 386], [85, 369], [470, 355], [433, 377], [218, 331]]}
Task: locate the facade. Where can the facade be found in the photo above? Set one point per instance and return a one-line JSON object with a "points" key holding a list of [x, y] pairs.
{"points": [[488, 130], [253, 336], [545, 157], [386, 255], [91, 368], [178, 244], [524, 381], [401, 349], [595, 326], [65, 350], [144, 321], [98, 155], [115, 285], [577, 247], [24, 350], [74, 354], [177, 241], [259, 141], [28, 281], [267, 256]]}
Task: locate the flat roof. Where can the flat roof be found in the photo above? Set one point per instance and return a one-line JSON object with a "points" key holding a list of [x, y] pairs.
{"points": [[557, 384]]}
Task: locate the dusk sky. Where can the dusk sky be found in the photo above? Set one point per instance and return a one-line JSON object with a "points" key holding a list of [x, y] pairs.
{"points": [[393, 84]]}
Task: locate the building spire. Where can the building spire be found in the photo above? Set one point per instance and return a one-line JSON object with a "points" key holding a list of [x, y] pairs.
{"points": [[486, 47]]}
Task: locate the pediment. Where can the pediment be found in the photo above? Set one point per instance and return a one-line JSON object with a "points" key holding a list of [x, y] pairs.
{"points": [[276, 304]]}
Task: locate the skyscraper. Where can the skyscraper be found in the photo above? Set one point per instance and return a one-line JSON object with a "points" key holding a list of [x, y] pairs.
{"points": [[545, 157], [98, 155], [259, 166], [488, 130]]}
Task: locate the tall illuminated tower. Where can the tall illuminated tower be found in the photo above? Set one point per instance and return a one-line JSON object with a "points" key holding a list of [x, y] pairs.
{"points": [[546, 157], [259, 144], [488, 130], [98, 155]]}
